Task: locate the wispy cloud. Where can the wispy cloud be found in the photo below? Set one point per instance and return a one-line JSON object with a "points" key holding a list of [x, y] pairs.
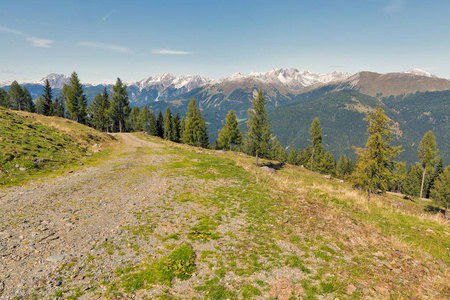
{"points": [[116, 48], [36, 42], [170, 52], [105, 17], [394, 6]]}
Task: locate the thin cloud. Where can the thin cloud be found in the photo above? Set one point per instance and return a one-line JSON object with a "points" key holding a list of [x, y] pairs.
{"points": [[116, 48], [170, 52], [36, 42], [394, 6], [105, 17]]}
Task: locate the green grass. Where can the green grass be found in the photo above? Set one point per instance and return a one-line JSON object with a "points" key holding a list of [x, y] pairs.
{"points": [[60, 142]]}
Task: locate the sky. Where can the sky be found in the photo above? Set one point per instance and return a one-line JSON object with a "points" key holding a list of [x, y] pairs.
{"points": [[102, 40]]}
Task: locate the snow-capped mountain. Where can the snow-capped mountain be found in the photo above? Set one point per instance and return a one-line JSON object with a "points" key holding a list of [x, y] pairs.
{"points": [[420, 72], [57, 81], [291, 78], [167, 80]]}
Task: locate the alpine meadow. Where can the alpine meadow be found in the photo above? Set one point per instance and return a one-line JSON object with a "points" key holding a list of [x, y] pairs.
{"points": [[124, 176]]}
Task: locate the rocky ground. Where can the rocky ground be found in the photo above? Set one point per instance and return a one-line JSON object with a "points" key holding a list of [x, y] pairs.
{"points": [[78, 235]]}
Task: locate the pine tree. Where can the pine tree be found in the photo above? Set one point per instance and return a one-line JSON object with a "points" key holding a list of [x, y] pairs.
{"points": [[317, 154], [160, 124], [375, 165], [167, 125], [427, 155], [58, 106], [76, 101], [99, 111], [28, 104], [441, 189], [436, 172], [176, 128], [132, 122], [258, 124], [39, 104], [119, 107], [5, 101], [143, 119], [47, 98], [328, 164], [278, 152], [195, 131], [229, 134], [152, 126], [15, 93], [292, 158], [342, 166]]}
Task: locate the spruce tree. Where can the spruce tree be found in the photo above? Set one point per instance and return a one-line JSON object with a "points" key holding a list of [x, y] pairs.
{"points": [[47, 98], [99, 111], [438, 169], [229, 135], [317, 149], [28, 104], [341, 168], [176, 128], [58, 106], [119, 107], [167, 125], [160, 124], [152, 126], [133, 122], [195, 131], [5, 101], [258, 124], [427, 155], [441, 190], [15, 93], [39, 104], [278, 152], [143, 119], [76, 101], [292, 157], [375, 165]]}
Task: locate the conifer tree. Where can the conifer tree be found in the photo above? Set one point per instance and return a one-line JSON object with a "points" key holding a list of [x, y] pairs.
{"points": [[99, 111], [436, 172], [176, 128], [375, 165], [143, 119], [292, 157], [58, 106], [341, 168], [119, 107], [195, 131], [15, 93], [5, 101], [132, 121], [28, 104], [39, 103], [160, 124], [167, 125], [47, 98], [278, 152], [427, 155], [258, 124], [152, 126], [441, 189], [317, 149], [229, 135], [76, 101], [182, 128]]}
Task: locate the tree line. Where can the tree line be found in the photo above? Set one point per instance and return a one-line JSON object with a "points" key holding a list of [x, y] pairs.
{"points": [[375, 169]]}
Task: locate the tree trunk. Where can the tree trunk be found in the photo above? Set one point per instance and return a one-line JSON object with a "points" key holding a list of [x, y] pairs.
{"points": [[256, 158], [368, 195], [312, 160], [120, 126], [421, 188]]}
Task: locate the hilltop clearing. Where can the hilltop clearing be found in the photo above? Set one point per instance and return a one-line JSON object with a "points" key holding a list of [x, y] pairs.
{"points": [[33, 145], [157, 219]]}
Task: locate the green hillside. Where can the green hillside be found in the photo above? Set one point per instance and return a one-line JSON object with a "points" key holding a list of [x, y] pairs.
{"points": [[33, 144], [342, 116]]}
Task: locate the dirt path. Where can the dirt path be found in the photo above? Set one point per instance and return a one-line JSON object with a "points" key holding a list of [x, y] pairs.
{"points": [[53, 222]]}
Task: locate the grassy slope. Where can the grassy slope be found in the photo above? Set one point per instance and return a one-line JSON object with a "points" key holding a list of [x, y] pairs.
{"points": [[298, 220], [26, 136]]}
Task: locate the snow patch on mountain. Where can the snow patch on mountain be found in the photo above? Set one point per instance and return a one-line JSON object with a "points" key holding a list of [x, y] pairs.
{"points": [[57, 81], [164, 81], [291, 78], [419, 72]]}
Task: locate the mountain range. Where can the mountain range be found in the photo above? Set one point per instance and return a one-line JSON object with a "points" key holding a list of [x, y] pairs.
{"points": [[415, 100]]}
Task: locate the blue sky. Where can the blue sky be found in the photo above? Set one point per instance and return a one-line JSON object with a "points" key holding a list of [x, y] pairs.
{"points": [[103, 40]]}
